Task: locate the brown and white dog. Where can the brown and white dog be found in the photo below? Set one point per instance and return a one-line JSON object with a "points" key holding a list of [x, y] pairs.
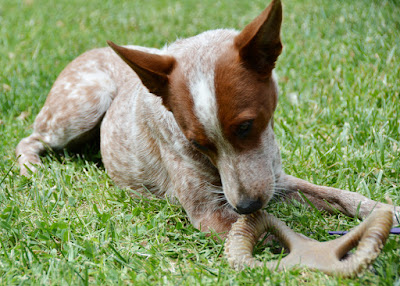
{"points": [[193, 121]]}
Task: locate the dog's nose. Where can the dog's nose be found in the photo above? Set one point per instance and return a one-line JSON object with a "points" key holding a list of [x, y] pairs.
{"points": [[248, 206]]}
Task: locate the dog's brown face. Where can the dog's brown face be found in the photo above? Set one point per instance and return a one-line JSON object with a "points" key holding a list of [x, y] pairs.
{"points": [[223, 98]]}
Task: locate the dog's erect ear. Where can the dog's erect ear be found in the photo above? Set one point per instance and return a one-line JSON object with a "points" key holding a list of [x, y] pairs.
{"points": [[152, 69], [259, 43]]}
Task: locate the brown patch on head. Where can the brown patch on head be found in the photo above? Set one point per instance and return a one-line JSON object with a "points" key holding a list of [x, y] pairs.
{"points": [[181, 104], [245, 90], [244, 97]]}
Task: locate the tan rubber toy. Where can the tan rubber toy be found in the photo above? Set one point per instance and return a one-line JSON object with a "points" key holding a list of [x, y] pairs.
{"points": [[329, 257]]}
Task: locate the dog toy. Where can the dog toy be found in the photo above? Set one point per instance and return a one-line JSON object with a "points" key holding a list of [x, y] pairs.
{"points": [[331, 257]]}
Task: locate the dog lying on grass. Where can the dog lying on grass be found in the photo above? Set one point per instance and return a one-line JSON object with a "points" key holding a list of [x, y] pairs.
{"points": [[193, 121]]}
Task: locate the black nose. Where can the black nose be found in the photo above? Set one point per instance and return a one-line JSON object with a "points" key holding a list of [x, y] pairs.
{"points": [[248, 206]]}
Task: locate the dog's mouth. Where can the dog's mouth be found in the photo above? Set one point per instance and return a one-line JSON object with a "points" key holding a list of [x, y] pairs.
{"points": [[250, 204], [247, 204]]}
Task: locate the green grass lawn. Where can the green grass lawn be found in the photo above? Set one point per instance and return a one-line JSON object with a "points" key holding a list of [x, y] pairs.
{"points": [[338, 124]]}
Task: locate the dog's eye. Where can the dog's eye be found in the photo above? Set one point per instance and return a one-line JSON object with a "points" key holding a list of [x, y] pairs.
{"points": [[198, 146], [244, 128]]}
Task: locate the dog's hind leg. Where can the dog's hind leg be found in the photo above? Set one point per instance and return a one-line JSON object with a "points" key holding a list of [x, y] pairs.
{"points": [[331, 199], [73, 110]]}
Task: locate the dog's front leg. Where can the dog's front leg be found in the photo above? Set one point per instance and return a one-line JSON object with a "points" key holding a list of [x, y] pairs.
{"points": [[206, 207], [219, 221], [332, 199]]}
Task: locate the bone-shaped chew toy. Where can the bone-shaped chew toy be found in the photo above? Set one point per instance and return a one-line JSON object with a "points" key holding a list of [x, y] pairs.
{"points": [[329, 257]]}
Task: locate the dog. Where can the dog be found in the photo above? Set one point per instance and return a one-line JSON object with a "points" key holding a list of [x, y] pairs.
{"points": [[191, 121]]}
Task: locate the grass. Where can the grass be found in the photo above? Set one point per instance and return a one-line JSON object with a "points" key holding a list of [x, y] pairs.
{"points": [[338, 124]]}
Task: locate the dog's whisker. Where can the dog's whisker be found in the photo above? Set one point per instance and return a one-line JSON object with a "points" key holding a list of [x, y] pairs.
{"points": [[216, 191]]}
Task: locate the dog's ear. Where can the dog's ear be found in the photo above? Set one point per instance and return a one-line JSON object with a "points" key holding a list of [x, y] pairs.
{"points": [[152, 69], [259, 43]]}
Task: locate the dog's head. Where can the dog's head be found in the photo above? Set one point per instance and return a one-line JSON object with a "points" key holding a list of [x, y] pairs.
{"points": [[223, 97]]}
